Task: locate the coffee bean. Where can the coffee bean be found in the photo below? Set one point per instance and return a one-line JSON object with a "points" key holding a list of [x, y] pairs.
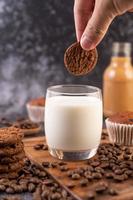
{"points": [[45, 194], [48, 182], [101, 187], [18, 189], [10, 190], [84, 182], [42, 174], [56, 196], [70, 185], [91, 195], [104, 159], [110, 155], [128, 151], [109, 175], [31, 187], [46, 164], [126, 157], [123, 165], [119, 177], [24, 187], [118, 172], [64, 194], [45, 147], [38, 146], [128, 172], [90, 168], [56, 185], [97, 175], [112, 192], [104, 165], [2, 188], [61, 163], [54, 164], [95, 163], [75, 176], [131, 166], [63, 168], [53, 189], [70, 173], [34, 180]]}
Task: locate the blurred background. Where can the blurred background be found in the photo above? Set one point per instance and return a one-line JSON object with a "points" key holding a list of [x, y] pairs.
{"points": [[33, 37]]}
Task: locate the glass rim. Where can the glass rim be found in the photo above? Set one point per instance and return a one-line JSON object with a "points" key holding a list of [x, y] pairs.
{"points": [[51, 89]]}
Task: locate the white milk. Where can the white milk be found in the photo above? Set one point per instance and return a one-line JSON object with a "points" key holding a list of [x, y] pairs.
{"points": [[73, 122]]}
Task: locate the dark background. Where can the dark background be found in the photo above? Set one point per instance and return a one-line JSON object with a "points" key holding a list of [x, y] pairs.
{"points": [[33, 37]]}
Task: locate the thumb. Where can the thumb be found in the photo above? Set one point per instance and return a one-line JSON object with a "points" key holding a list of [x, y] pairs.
{"points": [[97, 26]]}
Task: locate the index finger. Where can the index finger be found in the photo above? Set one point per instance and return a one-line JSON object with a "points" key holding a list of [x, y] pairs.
{"points": [[82, 13]]}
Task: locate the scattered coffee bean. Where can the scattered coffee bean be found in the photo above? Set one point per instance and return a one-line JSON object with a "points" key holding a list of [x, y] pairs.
{"points": [[61, 163], [63, 168], [91, 195], [38, 146], [10, 190], [95, 163], [84, 182], [119, 177], [128, 151], [70, 173], [45, 194], [112, 192], [97, 175], [118, 171], [64, 193], [126, 157], [75, 176], [109, 175], [2, 188], [128, 172], [56, 196], [71, 185], [54, 164], [31, 187], [104, 164], [101, 187], [46, 164]]}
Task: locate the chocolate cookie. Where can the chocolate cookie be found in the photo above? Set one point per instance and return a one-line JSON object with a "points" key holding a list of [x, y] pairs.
{"points": [[10, 136], [13, 150], [79, 61], [12, 167], [13, 159]]}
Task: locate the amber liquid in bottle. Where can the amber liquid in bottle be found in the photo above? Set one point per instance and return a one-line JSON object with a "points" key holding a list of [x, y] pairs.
{"points": [[118, 81]]}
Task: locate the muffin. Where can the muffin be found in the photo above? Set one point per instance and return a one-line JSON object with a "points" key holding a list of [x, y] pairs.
{"points": [[35, 108], [120, 128]]}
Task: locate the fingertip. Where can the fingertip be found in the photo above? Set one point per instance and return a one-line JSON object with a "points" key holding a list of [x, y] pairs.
{"points": [[86, 43]]}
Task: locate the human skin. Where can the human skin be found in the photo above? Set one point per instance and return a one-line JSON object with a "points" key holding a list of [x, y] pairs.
{"points": [[93, 17]]}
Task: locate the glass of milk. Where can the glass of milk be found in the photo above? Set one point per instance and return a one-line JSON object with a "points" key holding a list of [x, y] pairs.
{"points": [[73, 121]]}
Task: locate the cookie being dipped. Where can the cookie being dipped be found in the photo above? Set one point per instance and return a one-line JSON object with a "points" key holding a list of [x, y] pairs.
{"points": [[78, 61]]}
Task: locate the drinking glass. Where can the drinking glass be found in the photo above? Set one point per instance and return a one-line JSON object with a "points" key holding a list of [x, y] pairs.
{"points": [[73, 121]]}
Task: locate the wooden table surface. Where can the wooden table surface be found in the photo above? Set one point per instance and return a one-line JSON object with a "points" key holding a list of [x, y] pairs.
{"points": [[125, 189]]}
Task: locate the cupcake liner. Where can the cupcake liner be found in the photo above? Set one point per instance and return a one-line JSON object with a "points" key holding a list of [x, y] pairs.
{"points": [[120, 133], [35, 113]]}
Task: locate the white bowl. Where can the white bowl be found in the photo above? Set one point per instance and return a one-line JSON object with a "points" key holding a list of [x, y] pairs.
{"points": [[35, 113]]}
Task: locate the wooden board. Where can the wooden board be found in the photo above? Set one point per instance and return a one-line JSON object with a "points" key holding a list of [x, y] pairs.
{"points": [[125, 189]]}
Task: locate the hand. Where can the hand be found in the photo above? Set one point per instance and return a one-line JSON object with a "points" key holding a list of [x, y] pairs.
{"points": [[93, 17]]}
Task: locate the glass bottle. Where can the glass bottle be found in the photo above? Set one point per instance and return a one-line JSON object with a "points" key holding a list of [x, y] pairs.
{"points": [[118, 81]]}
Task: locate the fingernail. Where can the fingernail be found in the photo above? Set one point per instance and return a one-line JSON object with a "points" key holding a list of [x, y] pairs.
{"points": [[86, 43]]}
